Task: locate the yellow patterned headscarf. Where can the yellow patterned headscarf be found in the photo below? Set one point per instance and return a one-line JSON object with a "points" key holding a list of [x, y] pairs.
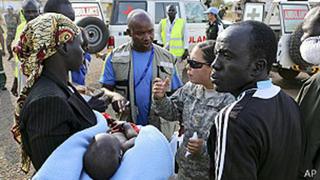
{"points": [[38, 41]]}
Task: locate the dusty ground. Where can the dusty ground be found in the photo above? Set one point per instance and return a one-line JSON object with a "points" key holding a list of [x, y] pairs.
{"points": [[9, 152]]}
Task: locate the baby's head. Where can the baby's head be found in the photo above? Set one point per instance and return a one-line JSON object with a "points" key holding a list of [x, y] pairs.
{"points": [[103, 156]]}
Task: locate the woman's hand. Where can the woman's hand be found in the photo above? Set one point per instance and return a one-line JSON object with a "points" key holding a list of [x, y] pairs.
{"points": [[160, 87], [195, 146]]}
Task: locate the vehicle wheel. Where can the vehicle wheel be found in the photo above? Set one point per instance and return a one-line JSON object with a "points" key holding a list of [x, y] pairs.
{"points": [[288, 74], [294, 47], [98, 33]]}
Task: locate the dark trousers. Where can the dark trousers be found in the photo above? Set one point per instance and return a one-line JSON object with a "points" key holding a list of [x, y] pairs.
{"points": [[3, 77], [9, 41]]}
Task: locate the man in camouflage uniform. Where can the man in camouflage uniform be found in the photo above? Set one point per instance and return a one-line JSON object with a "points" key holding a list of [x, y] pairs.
{"points": [[12, 21]]}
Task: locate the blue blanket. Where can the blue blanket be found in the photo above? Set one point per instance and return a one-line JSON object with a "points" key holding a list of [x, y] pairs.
{"points": [[66, 161], [150, 159]]}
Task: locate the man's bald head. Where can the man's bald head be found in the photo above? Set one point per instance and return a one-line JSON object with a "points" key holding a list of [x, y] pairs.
{"points": [[171, 7], [140, 29], [30, 9], [60, 6], [30, 4], [171, 11], [137, 16]]}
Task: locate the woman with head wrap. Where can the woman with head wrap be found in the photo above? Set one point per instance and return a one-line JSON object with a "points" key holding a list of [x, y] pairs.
{"points": [[49, 109]]}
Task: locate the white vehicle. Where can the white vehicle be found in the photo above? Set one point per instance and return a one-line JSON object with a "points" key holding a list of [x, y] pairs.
{"points": [[117, 10], [285, 18], [91, 16], [191, 10]]}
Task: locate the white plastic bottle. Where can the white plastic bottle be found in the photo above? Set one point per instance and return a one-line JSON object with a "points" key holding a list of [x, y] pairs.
{"points": [[194, 136]]}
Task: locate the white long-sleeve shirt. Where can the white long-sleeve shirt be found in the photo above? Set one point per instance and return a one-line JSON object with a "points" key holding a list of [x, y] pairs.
{"points": [[168, 33]]}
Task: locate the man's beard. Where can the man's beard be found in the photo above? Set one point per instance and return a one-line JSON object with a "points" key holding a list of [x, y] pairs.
{"points": [[310, 50]]}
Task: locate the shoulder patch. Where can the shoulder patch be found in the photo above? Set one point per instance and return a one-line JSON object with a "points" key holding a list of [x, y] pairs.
{"points": [[166, 64], [121, 54]]}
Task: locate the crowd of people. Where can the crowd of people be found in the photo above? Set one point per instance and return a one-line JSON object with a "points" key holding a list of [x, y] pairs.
{"points": [[227, 121]]}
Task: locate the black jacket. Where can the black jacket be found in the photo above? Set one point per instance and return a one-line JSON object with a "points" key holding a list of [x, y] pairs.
{"points": [[309, 101], [212, 31], [50, 115], [263, 140]]}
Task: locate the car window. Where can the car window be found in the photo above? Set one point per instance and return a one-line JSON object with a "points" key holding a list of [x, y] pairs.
{"points": [[161, 10], [124, 8], [194, 12], [292, 16]]}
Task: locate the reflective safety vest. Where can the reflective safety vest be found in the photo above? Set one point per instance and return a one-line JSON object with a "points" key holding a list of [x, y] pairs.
{"points": [[22, 79], [19, 30], [176, 44]]}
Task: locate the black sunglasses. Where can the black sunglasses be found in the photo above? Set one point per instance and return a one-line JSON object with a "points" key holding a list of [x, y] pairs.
{"points": [[196, 64]]}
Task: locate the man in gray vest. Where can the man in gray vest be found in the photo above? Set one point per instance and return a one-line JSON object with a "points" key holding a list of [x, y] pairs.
{"points": [[261, 131], [131, 68]]}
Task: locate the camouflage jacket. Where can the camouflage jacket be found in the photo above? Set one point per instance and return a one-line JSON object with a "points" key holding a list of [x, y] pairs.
{"points": [[12, 22], [196, 110]]}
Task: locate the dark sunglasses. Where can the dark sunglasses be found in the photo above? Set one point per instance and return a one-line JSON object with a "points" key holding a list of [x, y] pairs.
{"points": [[195, 64]]}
